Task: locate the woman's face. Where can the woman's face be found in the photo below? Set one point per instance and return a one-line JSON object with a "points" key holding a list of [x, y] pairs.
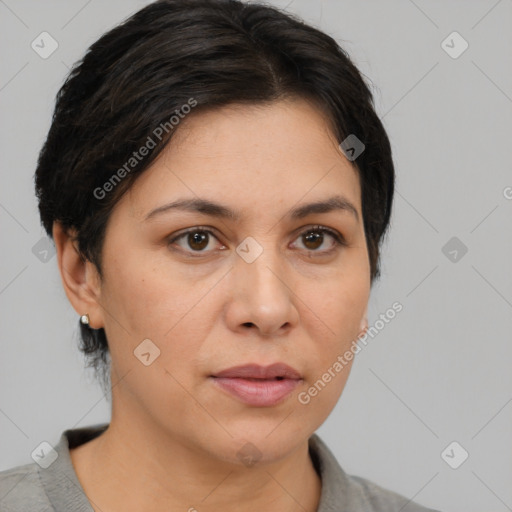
{"points": [[268, 287]]}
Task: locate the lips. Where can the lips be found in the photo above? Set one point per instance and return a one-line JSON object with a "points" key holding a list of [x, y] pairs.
{"points": [[255, 371], [257, 385]]}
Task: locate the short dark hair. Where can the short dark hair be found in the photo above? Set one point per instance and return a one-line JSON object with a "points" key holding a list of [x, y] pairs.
{"points": [[141, 73]]}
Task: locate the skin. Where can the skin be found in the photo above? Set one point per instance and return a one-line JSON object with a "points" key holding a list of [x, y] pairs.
{"points": [[174, 435]]}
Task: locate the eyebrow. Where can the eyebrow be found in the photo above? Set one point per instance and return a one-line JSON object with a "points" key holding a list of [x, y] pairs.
{"points": [[207, 207]]}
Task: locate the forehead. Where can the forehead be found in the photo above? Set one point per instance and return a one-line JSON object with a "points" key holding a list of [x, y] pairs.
{"points": [[292, 123], [249, 155]]}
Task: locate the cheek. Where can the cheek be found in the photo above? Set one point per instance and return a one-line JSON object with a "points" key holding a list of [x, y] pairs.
{"points": [[334, 324], [148, 301], [176, 314], [341, 303]]}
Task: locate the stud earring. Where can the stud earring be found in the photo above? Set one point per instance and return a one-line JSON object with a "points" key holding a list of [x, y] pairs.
{"points": [[85, 319]]}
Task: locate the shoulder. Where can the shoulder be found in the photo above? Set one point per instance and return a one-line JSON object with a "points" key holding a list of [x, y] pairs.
{"points": [[51, 483], [377, 499], [21, 489], [341, 491]]}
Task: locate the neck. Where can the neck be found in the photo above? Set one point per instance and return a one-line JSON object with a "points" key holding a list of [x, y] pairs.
{"points": [[129, 470]]}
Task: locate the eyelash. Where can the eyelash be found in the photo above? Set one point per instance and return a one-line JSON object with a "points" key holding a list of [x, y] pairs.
{"points": [[338, 238]]}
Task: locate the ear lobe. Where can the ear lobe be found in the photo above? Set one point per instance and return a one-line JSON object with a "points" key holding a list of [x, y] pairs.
{"points": [[364, 323], [79, 276]]}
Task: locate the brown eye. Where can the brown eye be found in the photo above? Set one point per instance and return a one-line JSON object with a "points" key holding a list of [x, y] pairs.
{"points": [[195, 240], [313, 238]]}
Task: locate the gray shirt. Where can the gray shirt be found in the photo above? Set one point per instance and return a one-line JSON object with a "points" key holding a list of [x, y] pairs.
{"points": [[32, 488]]}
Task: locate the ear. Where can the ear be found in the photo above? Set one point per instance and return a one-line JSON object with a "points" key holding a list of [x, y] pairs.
{"points": [[364, 323], [80, 278]]}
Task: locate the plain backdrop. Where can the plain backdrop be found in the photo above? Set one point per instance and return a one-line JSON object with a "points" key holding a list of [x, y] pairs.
{"points": [[439, 372]]}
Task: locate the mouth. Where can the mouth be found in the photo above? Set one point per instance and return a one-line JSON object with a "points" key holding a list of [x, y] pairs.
{"points": [[256, 379], [279, 371], [258, 386]]}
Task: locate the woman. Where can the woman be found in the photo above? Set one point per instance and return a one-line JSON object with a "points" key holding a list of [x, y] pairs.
{"points": [[217, 185]]}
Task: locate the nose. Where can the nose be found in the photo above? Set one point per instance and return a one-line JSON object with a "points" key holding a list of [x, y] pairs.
{"points": [[262, 296]]}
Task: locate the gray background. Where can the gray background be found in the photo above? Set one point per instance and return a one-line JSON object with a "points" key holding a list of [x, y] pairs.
{"points": [[440, 371]]}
